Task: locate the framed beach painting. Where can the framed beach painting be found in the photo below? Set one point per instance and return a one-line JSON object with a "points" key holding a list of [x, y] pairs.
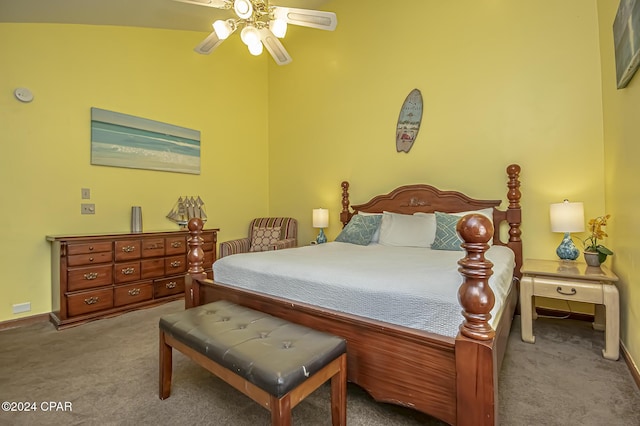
{"points": [[626, 37], [122, 140]]}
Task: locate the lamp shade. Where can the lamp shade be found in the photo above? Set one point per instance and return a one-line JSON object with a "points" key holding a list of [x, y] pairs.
{"points": [[567, 217], [320, 218]]}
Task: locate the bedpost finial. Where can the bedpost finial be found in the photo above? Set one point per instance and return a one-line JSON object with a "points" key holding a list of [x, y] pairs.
{"points": [[195, 255], [195, 223], [475, 228], [475, 295], [513, 169]]}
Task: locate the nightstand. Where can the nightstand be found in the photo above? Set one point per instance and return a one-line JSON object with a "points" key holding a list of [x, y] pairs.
{"points": [[568, 280]]}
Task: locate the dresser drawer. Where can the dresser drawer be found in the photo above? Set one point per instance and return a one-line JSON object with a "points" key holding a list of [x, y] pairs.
{"points": [[89, 301], [133, 293], [569, 290], [89, 259], [127, 249], [91, 277], [175, 265], [153, 247], [168, 286], [152, 268], [176, 245], [86, 248], [126, 272]]}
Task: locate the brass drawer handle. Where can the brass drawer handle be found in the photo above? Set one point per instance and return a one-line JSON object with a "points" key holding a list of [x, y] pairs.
{"points": [[90, 248], [91, 300], [171, 285], [176, 263], [134, 292], [572, 293], [176, 244], [90, 276], [154, 246], [129, 249], [128, 271]]}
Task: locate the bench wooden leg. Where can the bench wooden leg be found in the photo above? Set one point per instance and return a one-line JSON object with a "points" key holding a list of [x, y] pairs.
{"points": [[281, 411], [166, 363], [339, 394]]}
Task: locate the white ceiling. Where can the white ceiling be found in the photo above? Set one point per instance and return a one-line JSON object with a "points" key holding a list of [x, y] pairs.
{"points": [[167, 14]]}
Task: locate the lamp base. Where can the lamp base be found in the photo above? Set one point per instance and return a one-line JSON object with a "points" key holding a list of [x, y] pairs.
{"points": [[321, 238], [567, 250]]}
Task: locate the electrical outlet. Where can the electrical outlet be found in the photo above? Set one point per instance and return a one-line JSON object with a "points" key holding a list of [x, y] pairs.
{"points": [[88, 208], [18, 308], [86, 193]]}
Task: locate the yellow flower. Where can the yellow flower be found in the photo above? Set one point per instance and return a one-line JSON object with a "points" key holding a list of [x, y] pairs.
{"points": [[597, 233]]}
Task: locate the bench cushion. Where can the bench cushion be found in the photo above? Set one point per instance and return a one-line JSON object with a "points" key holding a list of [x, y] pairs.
{"points": [[271, 353]]}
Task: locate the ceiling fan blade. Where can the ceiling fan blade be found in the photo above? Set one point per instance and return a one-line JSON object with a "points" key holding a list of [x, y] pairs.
{"points": [[218, 4], [306, 17], [274, 46], [209, 44]]}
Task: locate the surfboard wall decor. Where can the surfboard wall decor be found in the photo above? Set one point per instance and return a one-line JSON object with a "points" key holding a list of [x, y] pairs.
{"points": [[409, 121]]}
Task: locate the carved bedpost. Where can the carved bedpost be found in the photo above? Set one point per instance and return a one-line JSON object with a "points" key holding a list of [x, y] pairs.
{"points": [[475, 295], [514, 215], [195, 260], [345, 216], [476, 375]]}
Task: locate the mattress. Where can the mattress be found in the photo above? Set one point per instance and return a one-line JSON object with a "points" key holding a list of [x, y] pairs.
{"points": [[408, 286]]}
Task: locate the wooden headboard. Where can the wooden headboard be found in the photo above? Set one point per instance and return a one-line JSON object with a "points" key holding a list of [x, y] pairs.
{"points": [[409, 199]]}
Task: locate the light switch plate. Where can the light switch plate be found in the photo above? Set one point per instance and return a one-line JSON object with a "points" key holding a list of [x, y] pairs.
{"points": [[86, 193]]}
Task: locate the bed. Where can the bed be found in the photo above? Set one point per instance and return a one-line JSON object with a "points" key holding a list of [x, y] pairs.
{"points": [[448, 373]]}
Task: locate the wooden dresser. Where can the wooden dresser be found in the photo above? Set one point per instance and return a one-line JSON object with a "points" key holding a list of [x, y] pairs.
{"points": [[95, 276]]}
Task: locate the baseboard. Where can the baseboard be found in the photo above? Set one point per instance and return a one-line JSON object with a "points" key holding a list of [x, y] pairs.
{"points": [[633, 368], [564, 314], [21, 322]]}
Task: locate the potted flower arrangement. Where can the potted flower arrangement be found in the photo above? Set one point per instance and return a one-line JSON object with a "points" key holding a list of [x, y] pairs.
{"points": [[595, 253]]}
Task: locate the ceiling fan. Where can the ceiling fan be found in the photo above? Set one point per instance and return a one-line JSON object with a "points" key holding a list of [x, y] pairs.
{"points": [[260, 24]]}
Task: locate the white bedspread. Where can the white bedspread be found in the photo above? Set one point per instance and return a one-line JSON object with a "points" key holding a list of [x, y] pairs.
{"points": [[409, 286]]}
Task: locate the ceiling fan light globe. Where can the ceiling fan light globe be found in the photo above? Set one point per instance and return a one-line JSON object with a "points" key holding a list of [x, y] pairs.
{"points": [[278, 27], [222, 29], [249, 35], [255, 48], [243, 8]]}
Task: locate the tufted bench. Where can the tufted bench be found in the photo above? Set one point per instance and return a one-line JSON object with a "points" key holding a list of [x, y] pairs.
{"points": [[274, 362]]}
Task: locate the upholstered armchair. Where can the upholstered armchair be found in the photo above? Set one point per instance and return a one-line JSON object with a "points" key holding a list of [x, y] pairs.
{"points": [[265, 233]]}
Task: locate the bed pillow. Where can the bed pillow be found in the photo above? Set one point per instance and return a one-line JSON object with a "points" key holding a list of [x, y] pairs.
{"points": [[263, 239], [406, 230], [360, 229], [376, 235], [447, 237]]}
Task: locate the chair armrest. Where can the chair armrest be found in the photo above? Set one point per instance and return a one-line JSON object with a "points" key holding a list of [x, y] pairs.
{"points": [[241, 245], [283, 244]]}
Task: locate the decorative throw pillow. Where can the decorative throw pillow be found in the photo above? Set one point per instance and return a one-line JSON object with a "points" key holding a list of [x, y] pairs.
{"points": [[407, 230], [359, 230], [447, 237], [376, 235], [264, 238]]}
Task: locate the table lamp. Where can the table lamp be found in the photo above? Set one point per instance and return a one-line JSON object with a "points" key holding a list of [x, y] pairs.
{"points": [[321, 220], [567, 217]]}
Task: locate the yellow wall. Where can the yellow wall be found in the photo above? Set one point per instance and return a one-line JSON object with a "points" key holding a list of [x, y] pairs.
{"points": [[622, 151], [502, 82], [154, 74]]}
